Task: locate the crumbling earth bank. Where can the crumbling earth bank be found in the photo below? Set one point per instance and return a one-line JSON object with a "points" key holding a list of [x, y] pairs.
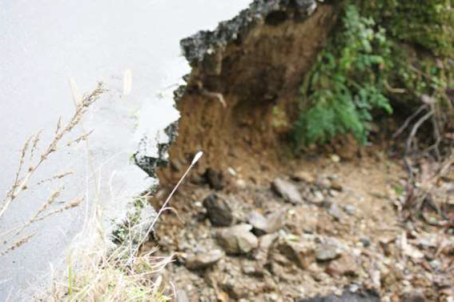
{"points": [[240, 96], [256, 225]]}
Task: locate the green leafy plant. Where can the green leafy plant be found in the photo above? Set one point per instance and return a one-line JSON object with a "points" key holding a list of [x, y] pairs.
{"points": [[347, 83]]}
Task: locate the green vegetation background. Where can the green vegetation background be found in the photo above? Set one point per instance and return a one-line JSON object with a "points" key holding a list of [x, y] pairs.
{"points": [[385, 52]]}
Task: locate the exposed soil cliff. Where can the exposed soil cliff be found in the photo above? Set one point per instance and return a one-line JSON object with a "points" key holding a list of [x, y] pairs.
{"points": [[240, 97]]}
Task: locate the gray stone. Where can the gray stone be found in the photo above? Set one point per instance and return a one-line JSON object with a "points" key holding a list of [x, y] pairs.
{"points": [[350, 209], [287, 191], [336, 212], [327, 252], [237, 239], [218, 210], [181, 296], [266, 225], [301, 253], [259, 222], [202, 261], [303, 176]]}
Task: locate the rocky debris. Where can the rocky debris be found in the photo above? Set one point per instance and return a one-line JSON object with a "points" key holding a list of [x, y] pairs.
{"points": [[266, 225], [288, 191], [237, 239], [311, 253], [347, 296], [218, 209], [302, 253], [327, 252], [203, 261]]}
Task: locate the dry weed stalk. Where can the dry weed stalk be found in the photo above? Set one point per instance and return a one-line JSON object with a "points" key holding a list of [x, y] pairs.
{"points": [[120, 273], [23, 177]]}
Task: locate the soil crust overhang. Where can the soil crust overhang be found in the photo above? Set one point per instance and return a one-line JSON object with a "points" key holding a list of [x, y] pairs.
{"points": [[240, 99]]}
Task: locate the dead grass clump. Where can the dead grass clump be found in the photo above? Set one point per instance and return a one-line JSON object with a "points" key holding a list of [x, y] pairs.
{"points": [[30, 163]]}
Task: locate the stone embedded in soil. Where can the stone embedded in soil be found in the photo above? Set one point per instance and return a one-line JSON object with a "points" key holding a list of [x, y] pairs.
{"points": [[327, 252], [303, 176], [336, 185], [215, 179], [202, 261], [181, 296], [350, 209], [288, 191], [301, 253], [259, 222], [347, 296], [336, 212], [267, 225], [218, 210], [237, 239], [344, 266]]}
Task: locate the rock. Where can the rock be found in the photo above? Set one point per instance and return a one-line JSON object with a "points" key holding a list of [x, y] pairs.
{"points": [[237, 239], [336, 184], [214, 179], [287, 191], [204, 260], [350, 209], [323, 183], [253, 270], [267, 225], [181, 296], [365, 241], [327, 252], [267, 240], [259, 222], [336, 212], [265, 243], [318, 197], [218, 210], [276, 220], [347, 296], [303, 176], [301, 253], [237, 290], [344, 266], [417, 296]]}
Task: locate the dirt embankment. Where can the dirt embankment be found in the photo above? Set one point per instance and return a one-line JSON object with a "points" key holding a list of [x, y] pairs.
{"points": [[255, 224], [240, 98]]}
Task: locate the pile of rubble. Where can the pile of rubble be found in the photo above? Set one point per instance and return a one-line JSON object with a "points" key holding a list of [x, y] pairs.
{"points": [[332, 228]]}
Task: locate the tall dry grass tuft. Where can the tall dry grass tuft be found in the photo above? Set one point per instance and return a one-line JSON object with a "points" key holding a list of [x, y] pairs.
{"points": [[99, 270], [30, 163]]}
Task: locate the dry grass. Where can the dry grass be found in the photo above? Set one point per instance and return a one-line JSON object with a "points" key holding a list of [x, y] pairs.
{"points": [[29, 164], [98, 270]]}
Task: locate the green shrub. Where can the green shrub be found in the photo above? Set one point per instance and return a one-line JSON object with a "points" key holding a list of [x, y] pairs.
{"points": [[427, 23], [347, 82]]}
